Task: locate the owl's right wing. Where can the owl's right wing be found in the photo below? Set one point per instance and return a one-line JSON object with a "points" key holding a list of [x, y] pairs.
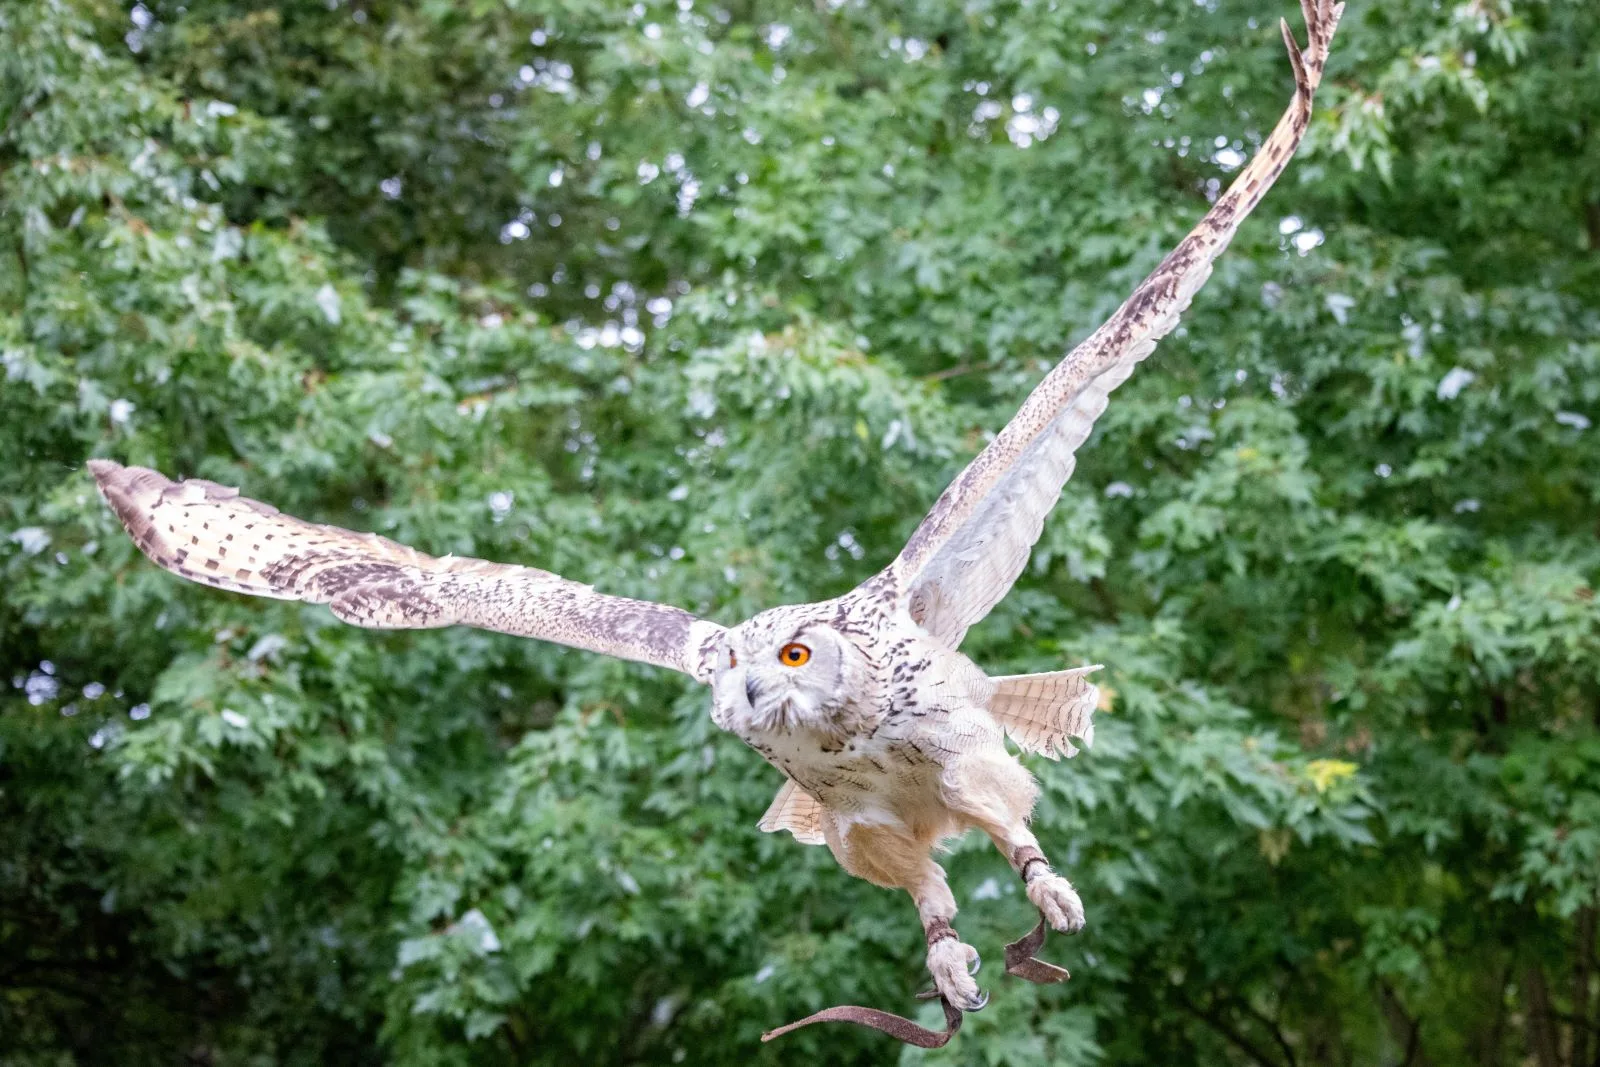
{"points": [[972, 546], [210, 534]]}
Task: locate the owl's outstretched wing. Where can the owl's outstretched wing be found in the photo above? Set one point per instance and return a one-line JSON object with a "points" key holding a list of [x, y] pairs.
{"points": [[969, 550], [210, 534]]}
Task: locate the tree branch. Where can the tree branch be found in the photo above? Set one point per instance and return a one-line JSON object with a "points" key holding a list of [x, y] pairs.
{"points": [[1543, 1045], [1406, 1030], [1581, 972], [958, 371], [1269, 1026], [1490, 1041], [1213, 1018]]}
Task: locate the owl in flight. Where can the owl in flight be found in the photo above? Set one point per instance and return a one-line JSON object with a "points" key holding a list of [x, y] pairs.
{"points": [[889, 739]]}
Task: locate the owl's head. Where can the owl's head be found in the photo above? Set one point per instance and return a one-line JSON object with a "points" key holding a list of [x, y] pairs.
{"points": [[785, 669]]}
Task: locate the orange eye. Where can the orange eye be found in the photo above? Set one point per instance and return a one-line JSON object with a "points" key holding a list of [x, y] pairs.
{"points": [[794, 655], [733, 661]]}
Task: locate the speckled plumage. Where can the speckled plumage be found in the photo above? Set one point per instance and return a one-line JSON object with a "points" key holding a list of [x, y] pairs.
{"points": [[889, 739]]}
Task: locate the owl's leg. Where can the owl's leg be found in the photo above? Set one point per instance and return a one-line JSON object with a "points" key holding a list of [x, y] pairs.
{"points": [[1052, 894], [887, 856], [951, 962], [994, 792]]}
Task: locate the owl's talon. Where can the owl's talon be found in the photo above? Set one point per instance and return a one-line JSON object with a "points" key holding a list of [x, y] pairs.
{"points": [[1057, 901], [950, 963], [977, 1003], [975, 965]]}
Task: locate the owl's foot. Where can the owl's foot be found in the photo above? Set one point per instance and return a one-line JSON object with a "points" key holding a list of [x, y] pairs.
{"points": [[1057, 901], [952, 965]]}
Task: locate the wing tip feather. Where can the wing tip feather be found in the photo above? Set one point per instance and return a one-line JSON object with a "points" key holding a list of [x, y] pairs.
{"points": [[104, 470], [128, 491]]}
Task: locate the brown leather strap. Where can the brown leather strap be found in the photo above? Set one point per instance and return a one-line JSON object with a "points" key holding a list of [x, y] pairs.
{"points": [[937, 930], [900, 1029], [1024, 858], [1022, 959]]}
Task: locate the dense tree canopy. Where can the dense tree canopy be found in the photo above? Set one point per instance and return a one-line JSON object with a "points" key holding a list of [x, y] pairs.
{"points": [[704, 301]]}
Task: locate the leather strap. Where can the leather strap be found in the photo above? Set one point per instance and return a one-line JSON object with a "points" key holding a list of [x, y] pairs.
{"points": [[1022, 959], [1023, 860], [937, 930], [901, 1029]]}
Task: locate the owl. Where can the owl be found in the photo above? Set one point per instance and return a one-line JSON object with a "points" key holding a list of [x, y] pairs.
{"points": [[889, 740]]}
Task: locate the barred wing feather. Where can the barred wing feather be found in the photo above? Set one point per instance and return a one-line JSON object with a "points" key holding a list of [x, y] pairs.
{"points": [[972, 546], [210, 534]]}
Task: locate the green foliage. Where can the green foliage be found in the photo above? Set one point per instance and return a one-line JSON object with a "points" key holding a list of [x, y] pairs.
{"points": [[705, 304]]}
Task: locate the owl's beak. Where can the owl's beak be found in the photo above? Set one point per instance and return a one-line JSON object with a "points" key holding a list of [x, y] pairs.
{"points": [[752, 689]]}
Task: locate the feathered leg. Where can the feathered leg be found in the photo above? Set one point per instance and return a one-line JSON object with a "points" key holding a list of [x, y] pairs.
{"points": [[995, 793], [951, 962], [892, 858]]}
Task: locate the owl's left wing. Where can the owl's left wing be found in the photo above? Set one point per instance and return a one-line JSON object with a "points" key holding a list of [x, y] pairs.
{"points": [[972, 546], [210, 534]]}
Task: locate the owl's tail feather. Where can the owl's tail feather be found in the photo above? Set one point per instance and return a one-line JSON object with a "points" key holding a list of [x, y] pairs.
{"points": [[1045, 713]]}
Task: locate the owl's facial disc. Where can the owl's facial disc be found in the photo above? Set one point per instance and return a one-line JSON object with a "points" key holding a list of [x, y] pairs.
{"points": [[783, 677]]}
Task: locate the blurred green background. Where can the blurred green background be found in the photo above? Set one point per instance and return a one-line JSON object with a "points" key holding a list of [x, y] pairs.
{"points": [[704, 301]]}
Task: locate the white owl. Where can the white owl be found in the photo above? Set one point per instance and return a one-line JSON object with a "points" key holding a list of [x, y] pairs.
{"points": [[889, 739]]}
